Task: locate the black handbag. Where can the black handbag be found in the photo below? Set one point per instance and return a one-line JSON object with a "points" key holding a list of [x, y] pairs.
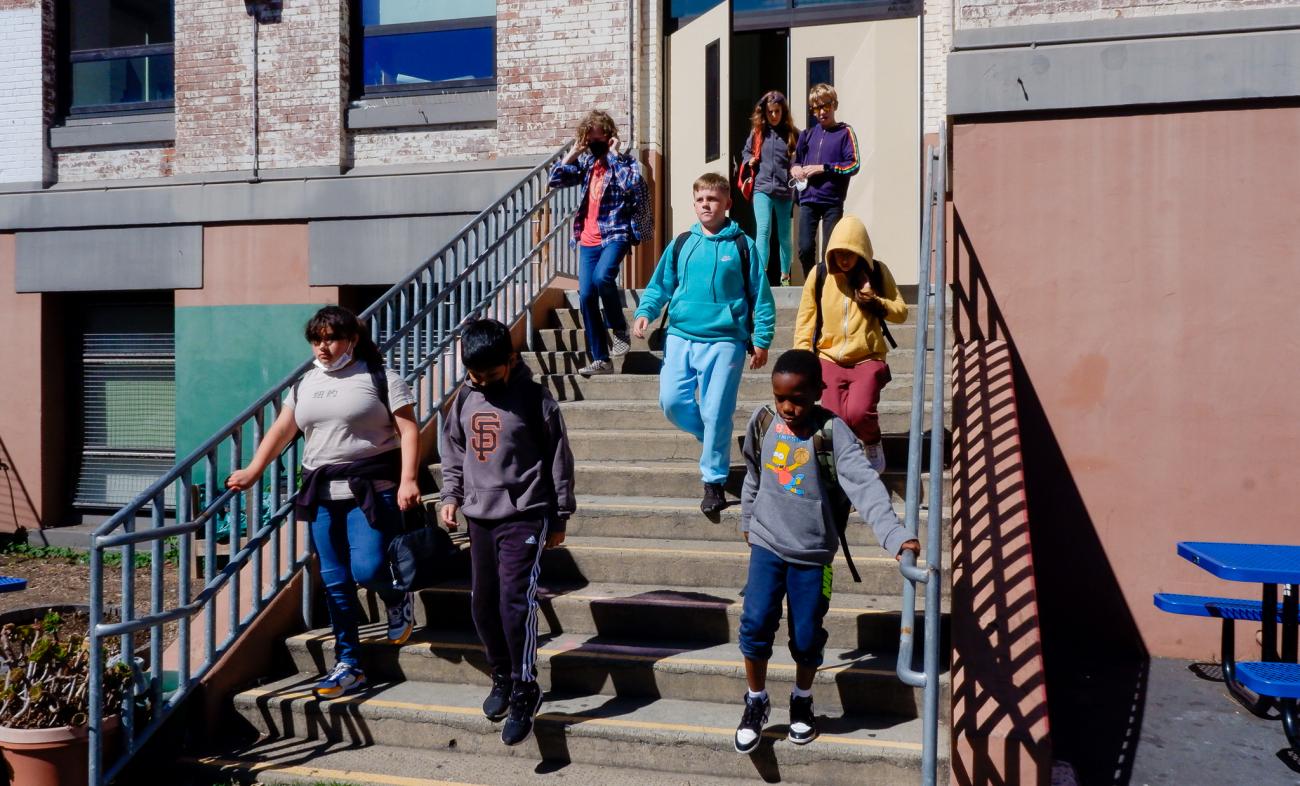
{"points": [[419, 557]]}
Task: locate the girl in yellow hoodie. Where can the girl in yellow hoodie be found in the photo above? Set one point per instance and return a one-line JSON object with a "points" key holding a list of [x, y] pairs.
{"points": [[845, 332]]}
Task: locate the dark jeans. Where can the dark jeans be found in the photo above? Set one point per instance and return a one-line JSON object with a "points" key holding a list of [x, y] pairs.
{"points": [[507, 560], [806, 590], [598, 284], [352, 551], [809, 216]]}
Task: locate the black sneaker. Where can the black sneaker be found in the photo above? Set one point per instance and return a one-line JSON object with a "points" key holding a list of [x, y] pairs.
{"points": [[497, 702], [524, 701], [750, 731], [803, 726], [715, 499]]}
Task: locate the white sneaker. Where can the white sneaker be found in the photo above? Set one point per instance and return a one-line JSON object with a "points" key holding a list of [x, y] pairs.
{"points": [[618, 344], [876, 456], [597, 367], [401, 619]]}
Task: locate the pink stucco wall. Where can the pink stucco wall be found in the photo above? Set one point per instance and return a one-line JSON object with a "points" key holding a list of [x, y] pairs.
{"points": [[1144, 270]]}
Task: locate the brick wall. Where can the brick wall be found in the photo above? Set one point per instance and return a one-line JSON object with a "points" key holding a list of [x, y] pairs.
{"points": [[448, 143], [302, 86], [555, 61], [937, 43], [73, 166], [996, 13], [23, 92], [214, 87]]}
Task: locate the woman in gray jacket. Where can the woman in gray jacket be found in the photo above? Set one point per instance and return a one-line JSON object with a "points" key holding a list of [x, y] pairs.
{"points": [[773, 199]]}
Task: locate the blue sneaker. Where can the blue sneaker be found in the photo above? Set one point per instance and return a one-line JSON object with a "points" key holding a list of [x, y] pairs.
{"points": [[401, 619], [343, 680]]}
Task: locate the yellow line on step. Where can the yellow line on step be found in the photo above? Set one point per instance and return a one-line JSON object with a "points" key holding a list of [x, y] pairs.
{"points": [[320, 772], [592, 720]]}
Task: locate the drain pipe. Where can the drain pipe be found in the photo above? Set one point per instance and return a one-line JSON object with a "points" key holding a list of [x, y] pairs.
{"points": [[255, 13]]}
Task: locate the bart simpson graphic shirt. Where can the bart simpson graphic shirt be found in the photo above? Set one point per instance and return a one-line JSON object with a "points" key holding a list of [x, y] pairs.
{"points": [[784, 508]]}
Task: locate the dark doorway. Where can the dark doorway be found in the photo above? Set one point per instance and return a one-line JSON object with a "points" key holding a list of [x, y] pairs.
{"points": [[759, 62]]}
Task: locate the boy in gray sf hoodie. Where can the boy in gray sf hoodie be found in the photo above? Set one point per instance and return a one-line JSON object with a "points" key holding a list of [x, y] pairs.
{"points": [[789, 521], [507, 466]]}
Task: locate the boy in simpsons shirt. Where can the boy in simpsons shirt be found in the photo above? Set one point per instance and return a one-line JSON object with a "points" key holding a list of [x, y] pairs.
{"points": [[789, 509]]}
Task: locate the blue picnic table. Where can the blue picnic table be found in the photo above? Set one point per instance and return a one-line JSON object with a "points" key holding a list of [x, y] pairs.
{"points": [[1277, 676]]}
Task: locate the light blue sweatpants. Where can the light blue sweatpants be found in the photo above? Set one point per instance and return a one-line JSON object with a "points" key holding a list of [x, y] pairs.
{"points": [[712, 370]]}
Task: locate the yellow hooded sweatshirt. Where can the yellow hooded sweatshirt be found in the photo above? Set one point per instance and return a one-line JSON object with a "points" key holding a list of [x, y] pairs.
{"points": [[850, 333]]}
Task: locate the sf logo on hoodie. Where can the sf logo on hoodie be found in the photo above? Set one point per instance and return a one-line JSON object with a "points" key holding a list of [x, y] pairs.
{"points": [[485, 426]]}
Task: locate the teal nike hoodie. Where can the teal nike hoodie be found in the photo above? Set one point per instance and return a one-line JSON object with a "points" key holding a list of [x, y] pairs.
{"points": [[705, 295]]}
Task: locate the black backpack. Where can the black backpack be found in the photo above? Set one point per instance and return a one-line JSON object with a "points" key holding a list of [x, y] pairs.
{"points": [[741, 247], [873, 274], [829, 479]]}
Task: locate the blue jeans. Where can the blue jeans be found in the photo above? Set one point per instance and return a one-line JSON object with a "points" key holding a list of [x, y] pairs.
{"points": [[712, 370], [807, 592], [597, 285], [352, 552], [764, 208]]}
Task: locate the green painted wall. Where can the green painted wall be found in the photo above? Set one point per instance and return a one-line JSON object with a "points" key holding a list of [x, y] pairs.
{"points": [[226, 356]]}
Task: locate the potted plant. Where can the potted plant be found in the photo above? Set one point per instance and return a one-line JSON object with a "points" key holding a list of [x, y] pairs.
{"points": [[44, 707]]}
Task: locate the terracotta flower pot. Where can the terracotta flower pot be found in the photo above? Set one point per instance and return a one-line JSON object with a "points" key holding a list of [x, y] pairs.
{"points": [[51, 757]]}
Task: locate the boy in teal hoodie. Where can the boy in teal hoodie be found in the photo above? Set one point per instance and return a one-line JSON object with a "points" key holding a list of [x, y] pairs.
{"points": [[712, 320]]}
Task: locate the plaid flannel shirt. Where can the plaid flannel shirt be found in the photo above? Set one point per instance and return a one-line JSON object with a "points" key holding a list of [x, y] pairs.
{"points": [[625, 213]]}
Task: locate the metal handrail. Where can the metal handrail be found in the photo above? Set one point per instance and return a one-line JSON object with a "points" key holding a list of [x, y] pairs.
{"points": [[928, 338], [496, 266]]}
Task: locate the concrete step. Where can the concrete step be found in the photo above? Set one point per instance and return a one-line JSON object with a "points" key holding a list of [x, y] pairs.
{"points": [[577, 664], [279, 762], [754, 386], [679, 518], [696, 564], [679, 736], [901, 361], [682, 479], [895, 416], [657, 444], [783, 297], [702, 615], [574, 338]]}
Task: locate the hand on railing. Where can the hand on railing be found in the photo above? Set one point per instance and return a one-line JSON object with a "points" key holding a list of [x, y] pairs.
{"points": [[912, 545]]}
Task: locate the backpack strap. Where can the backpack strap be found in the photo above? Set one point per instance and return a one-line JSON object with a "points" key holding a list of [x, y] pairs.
{"points": [[876, 276], [535, 421], [824, 447], [818, 288], [678, 242], [743, 248]]}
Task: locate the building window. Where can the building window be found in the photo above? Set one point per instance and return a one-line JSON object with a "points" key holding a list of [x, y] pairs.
{"points": [[127, 401], [712, 101], [119, 55], [821, 71], [426, 46]]}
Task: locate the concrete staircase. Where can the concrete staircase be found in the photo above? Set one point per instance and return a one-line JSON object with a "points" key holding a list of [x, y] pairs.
{"points": [[639, 617]]}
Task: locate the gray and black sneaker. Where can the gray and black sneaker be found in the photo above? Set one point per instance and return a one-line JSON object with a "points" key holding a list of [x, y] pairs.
{"points": [[619, 343], [715, 499], [524, 702], [597, 367], [803, 726], [497, 703], [750, 730]]}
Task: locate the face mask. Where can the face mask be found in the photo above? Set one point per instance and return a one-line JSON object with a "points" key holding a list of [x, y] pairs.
{"points": [[338, 363], [598, 149], [798, 185]]}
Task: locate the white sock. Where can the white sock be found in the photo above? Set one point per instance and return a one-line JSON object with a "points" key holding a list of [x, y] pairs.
{"points": [[800, 693], [759, 695]]}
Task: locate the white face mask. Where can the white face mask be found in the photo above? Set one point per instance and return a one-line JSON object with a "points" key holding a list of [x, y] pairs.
{"points": [[339, 362]]}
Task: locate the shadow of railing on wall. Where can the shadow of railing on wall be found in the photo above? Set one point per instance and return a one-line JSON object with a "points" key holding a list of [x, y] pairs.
{"points": [[1054, 619]]}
